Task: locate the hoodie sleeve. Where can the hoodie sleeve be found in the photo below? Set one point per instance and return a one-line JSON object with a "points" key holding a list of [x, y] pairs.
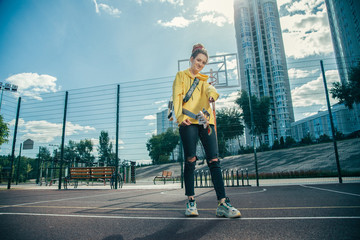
{"points": [[211, 92], [178, 97]]}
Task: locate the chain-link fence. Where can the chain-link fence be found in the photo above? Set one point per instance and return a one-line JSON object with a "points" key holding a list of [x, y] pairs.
{"points": [[131, 112]]}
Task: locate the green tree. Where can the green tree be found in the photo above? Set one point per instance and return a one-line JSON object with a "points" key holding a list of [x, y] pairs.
{"points": [[229, 126], [324, 138], [339, 135], [160, 146], [282, 142], [348, 93], [4, 162], [289, 141], [70, 153], [44, 154], [84, 149], [105, 149], [23, 168], [4, 131], [307, 139], [260, 108], [276, 145]]}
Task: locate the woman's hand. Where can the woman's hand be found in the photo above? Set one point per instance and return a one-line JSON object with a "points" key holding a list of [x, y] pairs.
{"points": [[186, 122]]}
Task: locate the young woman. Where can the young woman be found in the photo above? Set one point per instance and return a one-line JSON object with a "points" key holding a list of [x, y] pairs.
{"points": [[189, 100]]}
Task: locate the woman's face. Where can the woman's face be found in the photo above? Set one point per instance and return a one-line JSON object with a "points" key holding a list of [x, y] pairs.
{"points": [[198, 63]]}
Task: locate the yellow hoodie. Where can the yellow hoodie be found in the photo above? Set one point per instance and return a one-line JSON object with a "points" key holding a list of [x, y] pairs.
{"points": [[199, 99]]}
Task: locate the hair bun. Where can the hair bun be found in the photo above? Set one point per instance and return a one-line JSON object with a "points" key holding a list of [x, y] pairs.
{"points": [[197, 46]]}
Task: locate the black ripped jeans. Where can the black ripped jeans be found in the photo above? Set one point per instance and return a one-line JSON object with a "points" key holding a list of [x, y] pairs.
{"points": [[189, 137]]}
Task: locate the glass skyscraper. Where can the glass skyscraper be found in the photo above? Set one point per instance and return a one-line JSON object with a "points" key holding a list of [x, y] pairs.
{"points": [[261, 52], [344, 20], [163, 123]]}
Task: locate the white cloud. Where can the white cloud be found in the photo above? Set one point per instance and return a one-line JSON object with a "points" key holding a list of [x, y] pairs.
{"points": [[228, 101], [33, 85], [212, 18], [306, 6], [162, 107], [107, 9], [174, 2], [305, 31], [283, 2], [308, 114], [140, 2], [215, 12], [298, 73], [150, 117], [154, 132], [45, 132], [176, 22], [313, 93], [161, 102]]}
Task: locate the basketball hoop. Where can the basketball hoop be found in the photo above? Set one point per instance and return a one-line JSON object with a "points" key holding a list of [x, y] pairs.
{"points": [[223, 70]]}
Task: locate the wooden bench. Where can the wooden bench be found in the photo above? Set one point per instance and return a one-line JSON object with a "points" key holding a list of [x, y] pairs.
{"points": [[164, 176], [91, 173]]}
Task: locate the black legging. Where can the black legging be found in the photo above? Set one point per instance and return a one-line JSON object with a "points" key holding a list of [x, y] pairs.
{"points": [[189, 137]]}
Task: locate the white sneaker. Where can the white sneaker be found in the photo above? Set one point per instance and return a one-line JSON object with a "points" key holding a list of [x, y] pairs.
{"points": [[226, 210], [191, 210]]}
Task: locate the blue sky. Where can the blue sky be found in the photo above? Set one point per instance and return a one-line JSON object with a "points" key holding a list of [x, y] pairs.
{"points": [[86, 43], [53, 46]]}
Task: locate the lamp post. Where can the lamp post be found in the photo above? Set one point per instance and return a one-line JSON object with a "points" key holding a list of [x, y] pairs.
{"points": [[52, 161], [6, 87]]}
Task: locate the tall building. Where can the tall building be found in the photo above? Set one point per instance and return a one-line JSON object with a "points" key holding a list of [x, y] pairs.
{"points": [[163, 123], [344, 20], [261, 52], [346, 121]]}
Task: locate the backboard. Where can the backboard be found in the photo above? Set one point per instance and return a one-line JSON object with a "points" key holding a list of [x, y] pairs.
{"points": [[223, 70]]}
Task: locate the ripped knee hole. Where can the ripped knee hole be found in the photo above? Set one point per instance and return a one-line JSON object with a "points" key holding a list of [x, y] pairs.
{"points": [[191, 159], [214, 160]]}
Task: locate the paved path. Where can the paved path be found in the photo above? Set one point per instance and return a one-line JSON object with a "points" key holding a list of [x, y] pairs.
{"points": [[272, 212]]}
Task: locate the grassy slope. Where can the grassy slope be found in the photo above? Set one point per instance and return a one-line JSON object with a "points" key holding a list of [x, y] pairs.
{"points": [[313, 157]]}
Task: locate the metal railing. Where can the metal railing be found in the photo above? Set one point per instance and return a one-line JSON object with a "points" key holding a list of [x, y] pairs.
{"points": [[231, 178]]}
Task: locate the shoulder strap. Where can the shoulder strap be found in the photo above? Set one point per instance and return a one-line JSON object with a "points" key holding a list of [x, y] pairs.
{"points": [[191, 90]]}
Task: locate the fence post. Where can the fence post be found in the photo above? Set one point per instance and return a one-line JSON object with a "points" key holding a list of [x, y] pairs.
{"points": [[117, 136], [237, 177], [63, 138], [247, 176], [332, 123], [227, 178], [242, 177], [14, 143], [232, 177], [196, 177]]}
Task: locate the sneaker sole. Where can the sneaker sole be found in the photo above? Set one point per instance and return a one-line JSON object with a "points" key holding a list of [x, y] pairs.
{"points": [[192, 214], [224, 215]]}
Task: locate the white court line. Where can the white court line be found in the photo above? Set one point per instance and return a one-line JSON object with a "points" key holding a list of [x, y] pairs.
{"points": [[329, 190], [241, 193], [56, 200], [179, 218], [236, 193]]}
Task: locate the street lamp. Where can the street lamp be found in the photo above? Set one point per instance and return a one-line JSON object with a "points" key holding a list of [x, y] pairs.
{"points": [[6, 87]]}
